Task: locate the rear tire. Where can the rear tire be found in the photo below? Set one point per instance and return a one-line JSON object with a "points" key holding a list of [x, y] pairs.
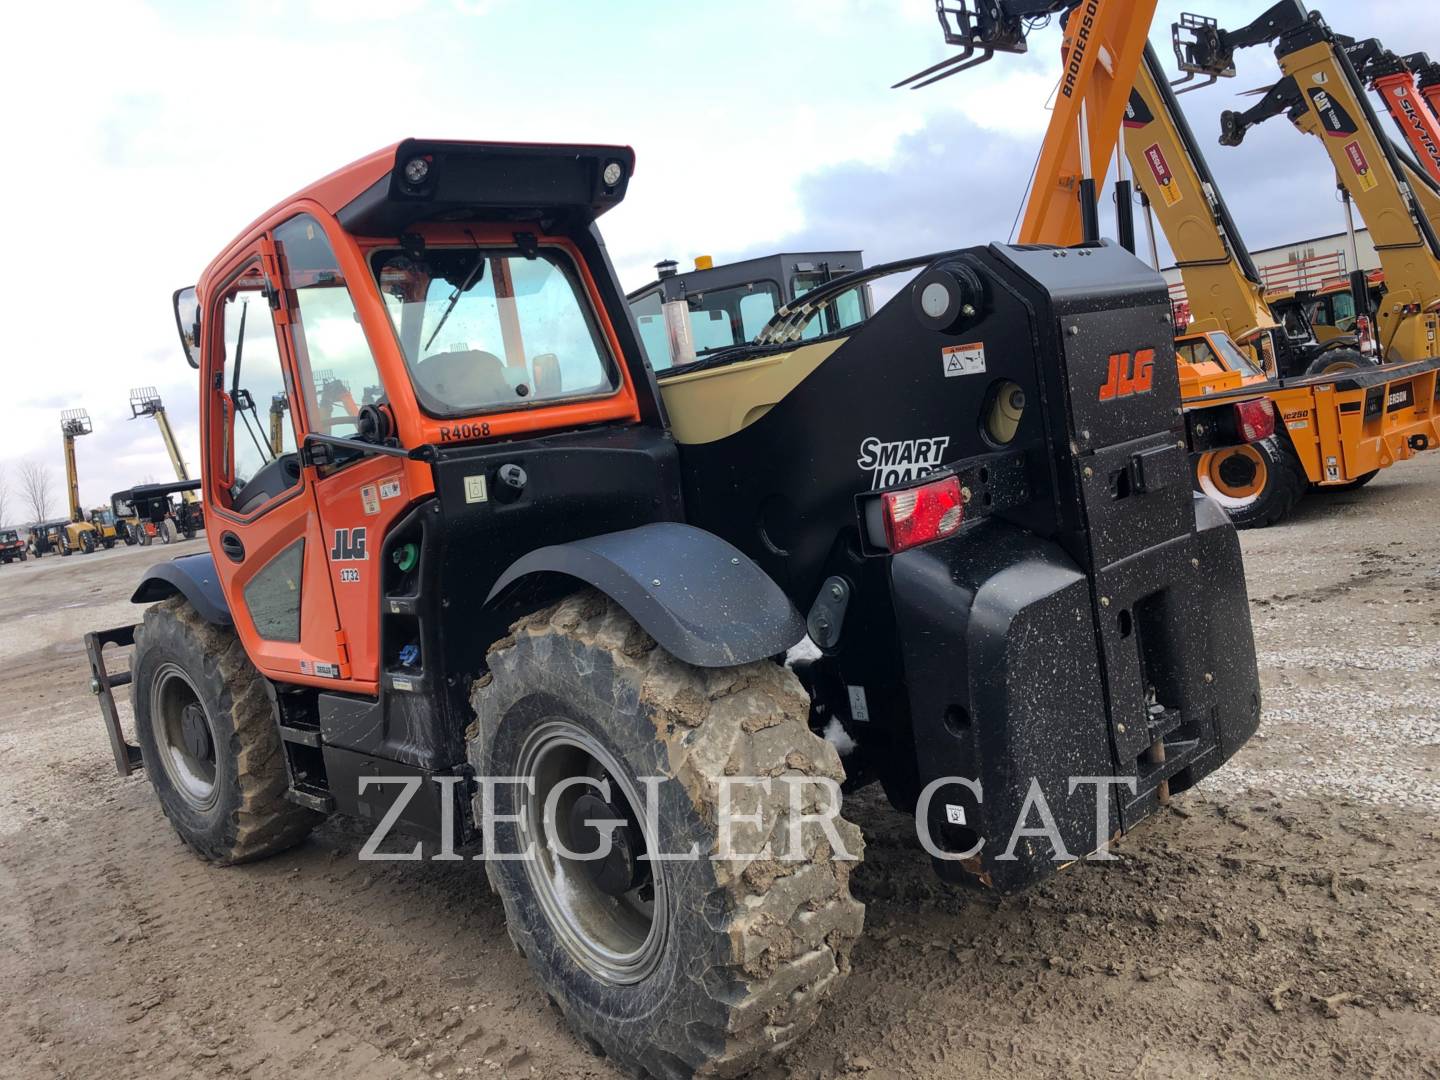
{"points": [[1256, 484], [169, 534], [208, 735], [734, 957], [144, 535]]}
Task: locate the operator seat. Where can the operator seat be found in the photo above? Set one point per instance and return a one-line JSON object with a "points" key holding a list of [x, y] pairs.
{"points": [[469, 377]]}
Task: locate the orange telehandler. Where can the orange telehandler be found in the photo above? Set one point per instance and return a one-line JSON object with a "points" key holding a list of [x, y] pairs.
{"points": [[531, 558]]}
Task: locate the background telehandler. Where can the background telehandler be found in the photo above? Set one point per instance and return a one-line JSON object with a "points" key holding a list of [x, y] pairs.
{"points": [[1332, 436], [530, 557], [170, 518], [1335, 433], [90, 531], [1323, 96], [12, 546]]}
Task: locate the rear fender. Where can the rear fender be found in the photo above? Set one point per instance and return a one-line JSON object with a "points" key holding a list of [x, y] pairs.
{"points": [[701, 599], [190, 576]]}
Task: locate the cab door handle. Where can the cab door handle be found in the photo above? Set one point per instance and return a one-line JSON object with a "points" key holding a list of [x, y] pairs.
{"points": [[232, 546]]}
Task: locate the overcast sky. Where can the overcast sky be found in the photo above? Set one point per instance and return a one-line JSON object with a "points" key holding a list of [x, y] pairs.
{"points": [[144, 135]]}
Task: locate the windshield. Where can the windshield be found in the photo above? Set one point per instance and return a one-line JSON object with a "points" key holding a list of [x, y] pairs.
{"points": [[1232, 357], [489, 329]]}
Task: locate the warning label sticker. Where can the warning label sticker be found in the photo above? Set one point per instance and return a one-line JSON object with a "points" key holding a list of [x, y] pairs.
{"points": [[963, 360], [1361, 166], [1164, 177]]}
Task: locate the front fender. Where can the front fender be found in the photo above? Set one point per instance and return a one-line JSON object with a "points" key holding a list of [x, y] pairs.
{"points": [[190, 576], [701, 599]]}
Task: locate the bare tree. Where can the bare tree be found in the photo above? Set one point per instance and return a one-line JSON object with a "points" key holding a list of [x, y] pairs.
{"points": [[37, 488]]}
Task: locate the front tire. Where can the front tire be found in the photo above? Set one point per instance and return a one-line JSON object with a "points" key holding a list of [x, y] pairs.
{"points": [[1257, 484], [209, 739], [87, 543], [728, 961], [1335, 361]]}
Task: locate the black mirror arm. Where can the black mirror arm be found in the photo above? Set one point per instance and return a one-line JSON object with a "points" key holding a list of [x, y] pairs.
{"points": [[318, 449]]}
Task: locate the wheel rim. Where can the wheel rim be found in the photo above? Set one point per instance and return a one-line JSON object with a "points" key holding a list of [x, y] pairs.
{"points": [[1234, 477], [1339, 365], [616, 934], [185, 736]]}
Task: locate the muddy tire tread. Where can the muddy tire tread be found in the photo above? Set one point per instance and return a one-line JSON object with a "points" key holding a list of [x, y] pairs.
{"points": [[787, 929], [262, 821]]}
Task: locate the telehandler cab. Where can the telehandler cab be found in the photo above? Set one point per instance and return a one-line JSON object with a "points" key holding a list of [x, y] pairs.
{"points": [[527, 558]]}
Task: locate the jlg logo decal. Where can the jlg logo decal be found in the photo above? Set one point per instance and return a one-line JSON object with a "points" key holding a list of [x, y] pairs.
{"points": [[349, 546], [1130, 373]]}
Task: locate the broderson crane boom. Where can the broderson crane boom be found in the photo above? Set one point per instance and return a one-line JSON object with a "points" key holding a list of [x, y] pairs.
{"points": [[1109, 39], [1323, 96]]}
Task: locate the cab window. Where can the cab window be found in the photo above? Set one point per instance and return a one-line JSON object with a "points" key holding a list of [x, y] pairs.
{"points": [[258, 439], [1342, 311], [338, 374], [650, 321], [1195, 351], [1233, 358], [490, 329], [841, 313], [719, 319]]}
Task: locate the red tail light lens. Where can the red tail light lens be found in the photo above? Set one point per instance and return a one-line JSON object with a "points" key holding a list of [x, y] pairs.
{"points": [[921, 514], [1255, 419]]}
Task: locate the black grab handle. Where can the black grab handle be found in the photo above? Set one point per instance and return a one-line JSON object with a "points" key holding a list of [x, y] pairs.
{"points": [[233, 548]]}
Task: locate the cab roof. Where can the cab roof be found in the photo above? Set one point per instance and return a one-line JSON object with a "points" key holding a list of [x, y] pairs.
{"points": [[416, 180]]}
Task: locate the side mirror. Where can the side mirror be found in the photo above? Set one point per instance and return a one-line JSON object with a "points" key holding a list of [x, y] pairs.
{"points": [[187, 321]]}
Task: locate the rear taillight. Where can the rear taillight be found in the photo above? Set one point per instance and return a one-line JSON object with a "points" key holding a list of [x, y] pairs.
{"points": [[1255, 419], [921, 514]]}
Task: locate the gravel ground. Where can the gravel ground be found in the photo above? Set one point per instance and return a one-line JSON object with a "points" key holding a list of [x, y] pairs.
{"points": [[1279, 922]]}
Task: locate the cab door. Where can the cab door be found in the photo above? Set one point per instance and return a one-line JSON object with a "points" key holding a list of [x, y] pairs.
{"points": [[359, 497], [263, 528]]}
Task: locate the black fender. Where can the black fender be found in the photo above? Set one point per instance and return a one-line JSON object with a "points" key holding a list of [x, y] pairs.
{"points": [[190, 576], [701, 599]]}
